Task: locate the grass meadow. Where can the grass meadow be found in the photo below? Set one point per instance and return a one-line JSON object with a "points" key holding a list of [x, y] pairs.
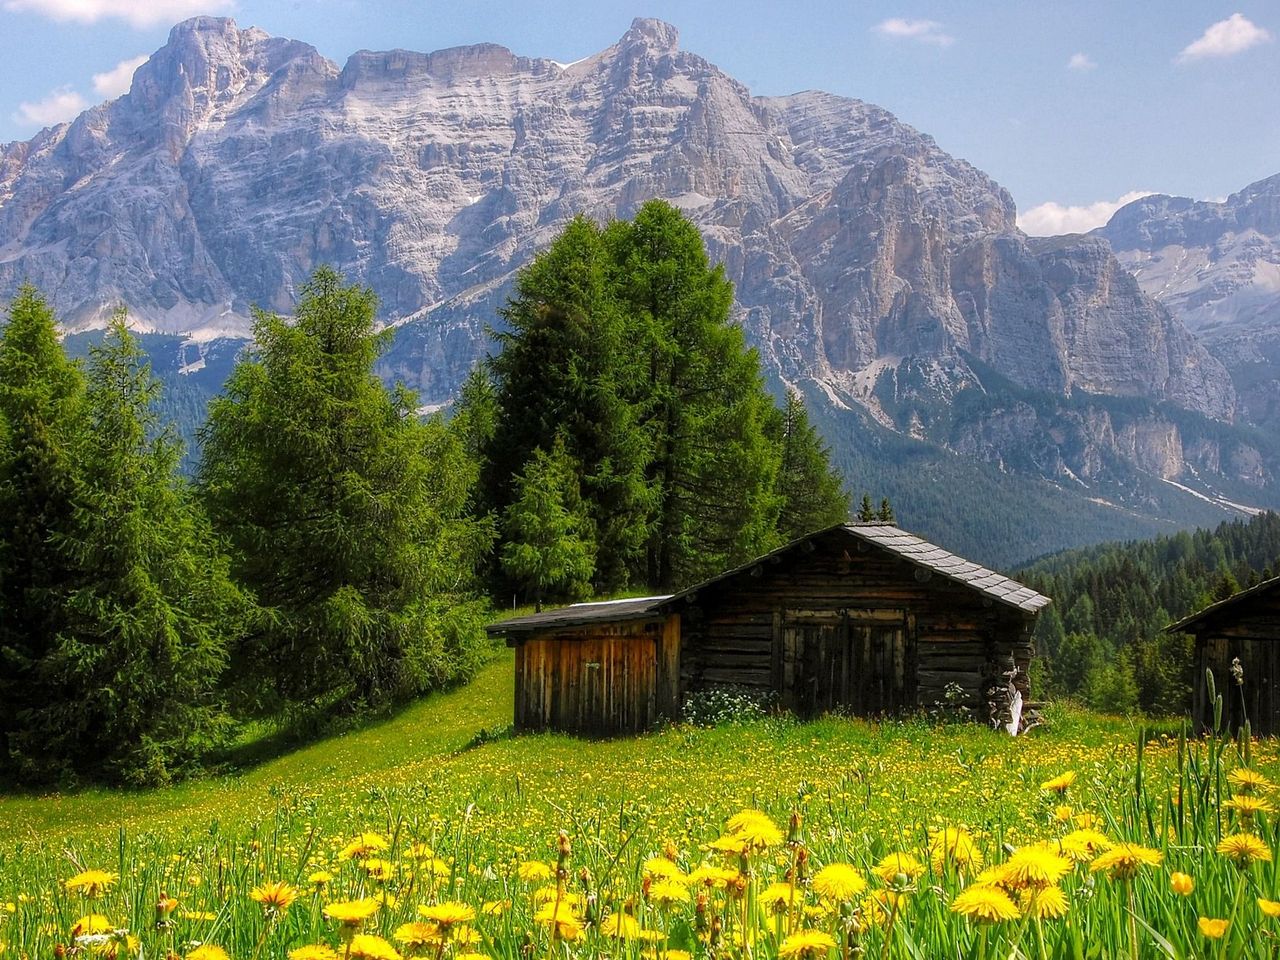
{"points": [[434, 833]]}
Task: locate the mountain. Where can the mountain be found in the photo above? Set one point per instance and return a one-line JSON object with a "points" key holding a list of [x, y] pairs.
{"points": [[876, 273], [1216, 266]]}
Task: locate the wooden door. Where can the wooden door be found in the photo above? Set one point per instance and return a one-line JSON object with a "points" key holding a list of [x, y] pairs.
{"points": [[859, 660]]}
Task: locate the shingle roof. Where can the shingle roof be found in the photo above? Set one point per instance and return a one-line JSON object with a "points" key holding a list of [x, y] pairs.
{"points": [[906, 545], [604, 611], [1215, 608]]}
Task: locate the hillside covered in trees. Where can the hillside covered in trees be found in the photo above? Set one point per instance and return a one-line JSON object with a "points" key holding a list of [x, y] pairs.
{"points": [[1103, 639]]}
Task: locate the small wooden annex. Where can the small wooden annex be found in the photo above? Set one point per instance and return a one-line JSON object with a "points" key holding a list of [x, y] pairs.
{"points": [[1244, 627], [864, 618]]}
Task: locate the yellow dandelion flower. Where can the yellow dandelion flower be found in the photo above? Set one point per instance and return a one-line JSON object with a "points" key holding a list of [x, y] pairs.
{"points": [[1083, 844], [495, 908], [894, 866], [1182, 884], [420, 851], [561, 918], [91, 883], [662, 868], [201, 915], [448, 914], [1270, 908], [709, 875], [1044, 903], [667, 892], [1248, 805], [274, 897], [1124, 860], [366, 946], [1245, 780], [621, 926], [806, 945], [839, 882], [208, 951], [1035, 866], [1244, 848], [777, 896], [533, 871], [985, 904], [313, 951], [378, 869], [320, 878], [1062, 813], [755, 829], [418, 934], [1059, 784], [364, 845], [1211, 928], [954, 845], [352, 913], [1087, 821]]}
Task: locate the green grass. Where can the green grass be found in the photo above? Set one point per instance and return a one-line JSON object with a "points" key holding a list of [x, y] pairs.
{"points": [[440, 772]]}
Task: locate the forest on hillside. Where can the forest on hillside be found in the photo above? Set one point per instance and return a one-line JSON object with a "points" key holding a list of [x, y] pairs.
{"points": [[1103, 639]]}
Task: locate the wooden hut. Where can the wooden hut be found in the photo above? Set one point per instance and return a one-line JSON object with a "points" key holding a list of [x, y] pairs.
{"points": [[864, 618], [1245, 628]]}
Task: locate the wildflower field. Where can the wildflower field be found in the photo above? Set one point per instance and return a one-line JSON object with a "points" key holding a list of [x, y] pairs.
{"points": [[433, 834]]}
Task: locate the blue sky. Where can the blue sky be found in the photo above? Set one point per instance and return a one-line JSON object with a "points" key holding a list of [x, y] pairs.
{"points": [[1070, 105]]}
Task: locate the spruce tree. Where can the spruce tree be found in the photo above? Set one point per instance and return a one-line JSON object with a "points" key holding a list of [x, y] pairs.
{"points": [[566, 368], [549, 547], [320, 478], [133, 672], [703, 407], [41, 411], [866, 513], [885, 513], [812, 492]]}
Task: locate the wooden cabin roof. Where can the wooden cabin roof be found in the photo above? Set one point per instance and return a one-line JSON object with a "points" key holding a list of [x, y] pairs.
{"points": [[884, 536], [1233, 604]]}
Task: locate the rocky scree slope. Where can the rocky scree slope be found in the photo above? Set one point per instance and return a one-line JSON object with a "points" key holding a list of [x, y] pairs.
{"points": [[881, 276]]}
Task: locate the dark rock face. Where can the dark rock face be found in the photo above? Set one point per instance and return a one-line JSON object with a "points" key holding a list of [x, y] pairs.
{"points": [[872, 268]]}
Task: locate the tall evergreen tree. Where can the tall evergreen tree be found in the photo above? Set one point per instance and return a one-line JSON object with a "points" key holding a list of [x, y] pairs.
{"points": [[549, 545], [812, 492], [41, 409], [885, 513], [866, 513], [134, 670], [703, 407], [319, 478], [565, 368]]}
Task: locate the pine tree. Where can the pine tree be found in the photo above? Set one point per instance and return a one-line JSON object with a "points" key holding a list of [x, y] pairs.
{"points": [[703, 407], [866, 514], [41, 410], [565, 368], [319, 477], [812, 492], [885, 514], [549, 546], [134, 671]]}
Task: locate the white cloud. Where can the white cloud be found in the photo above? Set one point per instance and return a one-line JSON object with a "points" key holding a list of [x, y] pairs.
{"points": [[137, 13], [921, 31], [1081, 61], [1225, 38], [1052, 219], [118, 79], [62, 104]]}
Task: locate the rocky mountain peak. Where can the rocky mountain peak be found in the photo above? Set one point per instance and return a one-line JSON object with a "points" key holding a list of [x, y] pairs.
{"points": [[655, 36]]}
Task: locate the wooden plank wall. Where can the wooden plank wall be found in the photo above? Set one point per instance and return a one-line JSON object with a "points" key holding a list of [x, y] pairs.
{"points": [[956, 635], [1250, 631], [600, 680]]}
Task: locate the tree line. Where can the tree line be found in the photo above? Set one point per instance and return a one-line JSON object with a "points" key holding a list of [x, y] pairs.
{"points": [[1103, 641], [335, 550]]}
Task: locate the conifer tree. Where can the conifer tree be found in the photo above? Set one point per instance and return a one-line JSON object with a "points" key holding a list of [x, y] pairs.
{"points": [[41, 410], [318, 476], [134, 669], [812, 492], [866, 513], [703, 406], [566, 368], [549, 546], [885, 513]]}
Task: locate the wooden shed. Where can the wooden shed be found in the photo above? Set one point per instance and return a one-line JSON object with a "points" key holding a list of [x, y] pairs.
{"points": [[863, 618], [1244, 627]]}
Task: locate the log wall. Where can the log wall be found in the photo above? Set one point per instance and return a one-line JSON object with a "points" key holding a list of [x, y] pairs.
{"points": [[924, 632], [1250, 631], [600, 680]]}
